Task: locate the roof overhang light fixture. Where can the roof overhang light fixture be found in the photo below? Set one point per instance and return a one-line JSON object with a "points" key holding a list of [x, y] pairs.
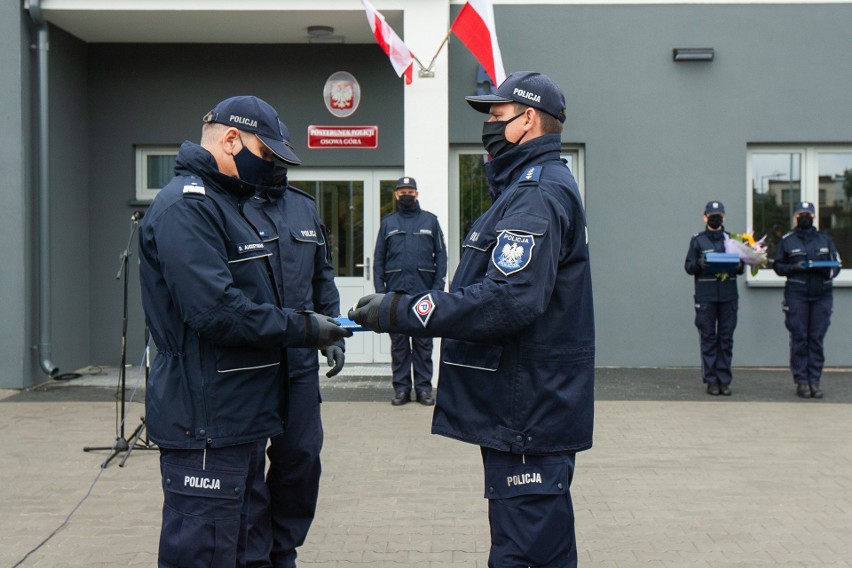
{"points": [[320, 31], [693, 54]]}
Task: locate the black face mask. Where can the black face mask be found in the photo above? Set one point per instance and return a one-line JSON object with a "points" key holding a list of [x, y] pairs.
{"points": [[407, 201], [714, 221], [251, 168], [804, 222], [278, 177], [494, 137]]}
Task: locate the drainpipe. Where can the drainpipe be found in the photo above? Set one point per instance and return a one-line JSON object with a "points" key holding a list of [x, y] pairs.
{"points": [[44, 311]]}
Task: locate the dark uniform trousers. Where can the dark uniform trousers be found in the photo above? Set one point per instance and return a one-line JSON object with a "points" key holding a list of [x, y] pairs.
{"points": [[530, 509], [209, 497], [807, 320], [406, 350], [716, 322]]}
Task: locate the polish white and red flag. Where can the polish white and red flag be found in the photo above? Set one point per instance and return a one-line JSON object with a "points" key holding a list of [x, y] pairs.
{"points": [[474, 26], [400, 56]]}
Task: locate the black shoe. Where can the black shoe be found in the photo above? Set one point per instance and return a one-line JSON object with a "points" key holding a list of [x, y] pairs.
{"points": [[803, 391], [713, 389], [725, 390], [425, 399], [401, 398], [815, 392]]}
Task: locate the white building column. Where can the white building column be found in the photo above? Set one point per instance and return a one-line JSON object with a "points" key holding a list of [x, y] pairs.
{"points": [[426, 106]]}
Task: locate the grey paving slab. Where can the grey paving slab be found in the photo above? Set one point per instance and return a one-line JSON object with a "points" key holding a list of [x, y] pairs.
{"points": [[675, 479]]}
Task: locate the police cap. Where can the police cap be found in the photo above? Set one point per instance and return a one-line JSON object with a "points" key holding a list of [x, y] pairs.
{"points": [[804, 206], [714, 207], [527, 88], [406, 182], [251, 114]]}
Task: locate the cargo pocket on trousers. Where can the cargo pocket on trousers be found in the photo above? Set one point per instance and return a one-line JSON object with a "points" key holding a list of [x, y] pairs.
{"points": [[201, 516]]}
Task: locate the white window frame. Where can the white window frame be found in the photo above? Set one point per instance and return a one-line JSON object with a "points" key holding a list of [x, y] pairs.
{"points": [[143, 192], [568, 152], [809, 180]]}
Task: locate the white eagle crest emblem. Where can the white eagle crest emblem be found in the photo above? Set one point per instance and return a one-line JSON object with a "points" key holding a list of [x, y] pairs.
{"points": [[513, 252], [341, 94]]}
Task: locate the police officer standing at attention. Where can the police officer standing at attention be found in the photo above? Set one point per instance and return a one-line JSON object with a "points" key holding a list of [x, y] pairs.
{"points": [[289, 225], [517, 361], [716, 301], [213, 312], [808, 296], [410, 256]]}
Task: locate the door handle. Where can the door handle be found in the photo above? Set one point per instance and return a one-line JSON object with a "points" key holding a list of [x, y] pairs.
{"points": [[367, 266]]}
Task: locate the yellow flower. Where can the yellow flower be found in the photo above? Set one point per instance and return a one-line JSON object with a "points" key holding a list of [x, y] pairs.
{"points": [[748, 238]]}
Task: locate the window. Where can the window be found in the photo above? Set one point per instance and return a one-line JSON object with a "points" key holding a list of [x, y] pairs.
{"points": [[155, 167], [469, 195], [779, 177]]}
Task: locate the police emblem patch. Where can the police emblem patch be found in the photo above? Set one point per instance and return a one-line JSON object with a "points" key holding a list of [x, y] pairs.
{"points": [[513, 252], [423, 309]]}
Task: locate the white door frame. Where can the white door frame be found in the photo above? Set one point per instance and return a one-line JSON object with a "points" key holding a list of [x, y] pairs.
{"points": [[363, 347]]}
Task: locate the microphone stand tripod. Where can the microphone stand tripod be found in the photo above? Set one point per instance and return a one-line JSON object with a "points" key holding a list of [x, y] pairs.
{"points": [[121, 444]]}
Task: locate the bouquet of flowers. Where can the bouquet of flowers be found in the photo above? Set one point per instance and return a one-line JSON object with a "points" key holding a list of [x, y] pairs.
{"points": [[751, 252]]}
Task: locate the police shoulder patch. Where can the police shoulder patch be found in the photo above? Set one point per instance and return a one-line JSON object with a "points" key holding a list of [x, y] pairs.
{"points": [[513, 252], [423, 309], [193, 187]]}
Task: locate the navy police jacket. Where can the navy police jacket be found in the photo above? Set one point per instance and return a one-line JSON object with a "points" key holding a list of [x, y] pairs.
{"points": [[289, 224], [806, 245], [517, 364], [211, 306], [708, 286], [410, 253]]}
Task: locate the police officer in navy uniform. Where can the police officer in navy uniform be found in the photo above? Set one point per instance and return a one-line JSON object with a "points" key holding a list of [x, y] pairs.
{"points": [[808, 297], [215, 316], [716, 301], [291, 229], [517, 362], [410, 256]]}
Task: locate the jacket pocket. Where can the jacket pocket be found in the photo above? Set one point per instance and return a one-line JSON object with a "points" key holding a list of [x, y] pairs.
{"points": [[242, 359], [481, 356]]}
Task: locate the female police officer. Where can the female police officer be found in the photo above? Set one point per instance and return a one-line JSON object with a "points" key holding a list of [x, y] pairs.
{"points": [[807, 296]]}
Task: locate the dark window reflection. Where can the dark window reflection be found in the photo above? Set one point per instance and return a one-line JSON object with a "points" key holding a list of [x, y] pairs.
{"points": [[776, 187], [835, 199]]}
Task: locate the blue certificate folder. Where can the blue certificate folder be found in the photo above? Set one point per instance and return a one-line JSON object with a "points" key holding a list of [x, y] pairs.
{"points": [[823, 264], [721, 261], [349, 324]]}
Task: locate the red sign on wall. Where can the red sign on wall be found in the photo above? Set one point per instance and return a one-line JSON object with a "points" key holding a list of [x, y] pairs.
{"points": [[343, 137]]}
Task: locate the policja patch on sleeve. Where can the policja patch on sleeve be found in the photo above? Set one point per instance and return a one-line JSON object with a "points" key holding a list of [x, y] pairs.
{"points": [[513, 252], [423, 309]]}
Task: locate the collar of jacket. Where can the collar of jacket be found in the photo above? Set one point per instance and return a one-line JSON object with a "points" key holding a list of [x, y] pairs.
{"points": [[408, 211], [504, 170], [270, 193], [193, 159]]}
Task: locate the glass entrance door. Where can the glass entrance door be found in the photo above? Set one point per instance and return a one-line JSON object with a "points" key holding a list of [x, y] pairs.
{"points": [[349, 204]]}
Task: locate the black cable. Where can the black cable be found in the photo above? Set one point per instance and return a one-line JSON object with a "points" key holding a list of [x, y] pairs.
{"points": [[65, 522], [91, 487]]}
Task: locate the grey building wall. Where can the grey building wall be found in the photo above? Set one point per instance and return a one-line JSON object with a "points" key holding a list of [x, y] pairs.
{"points": [[662, 138], [157, 94], [14, 277]]}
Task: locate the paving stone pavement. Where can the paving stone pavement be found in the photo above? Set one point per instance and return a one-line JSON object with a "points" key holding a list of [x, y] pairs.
{"points": [[676, 478]]}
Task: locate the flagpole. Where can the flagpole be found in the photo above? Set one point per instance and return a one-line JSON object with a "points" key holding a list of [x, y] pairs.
{"points": [[440, 47]]}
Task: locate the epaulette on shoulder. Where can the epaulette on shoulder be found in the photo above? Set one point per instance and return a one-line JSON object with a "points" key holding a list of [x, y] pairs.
{"points": [[193, 186], [305, 193], [530, 176], [695, 235], [787, 234]]}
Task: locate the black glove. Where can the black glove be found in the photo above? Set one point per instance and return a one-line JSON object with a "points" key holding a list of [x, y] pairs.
{"points": [[335, 357], [330, 330], [702, 262], [800, 266], [365, 312]]}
